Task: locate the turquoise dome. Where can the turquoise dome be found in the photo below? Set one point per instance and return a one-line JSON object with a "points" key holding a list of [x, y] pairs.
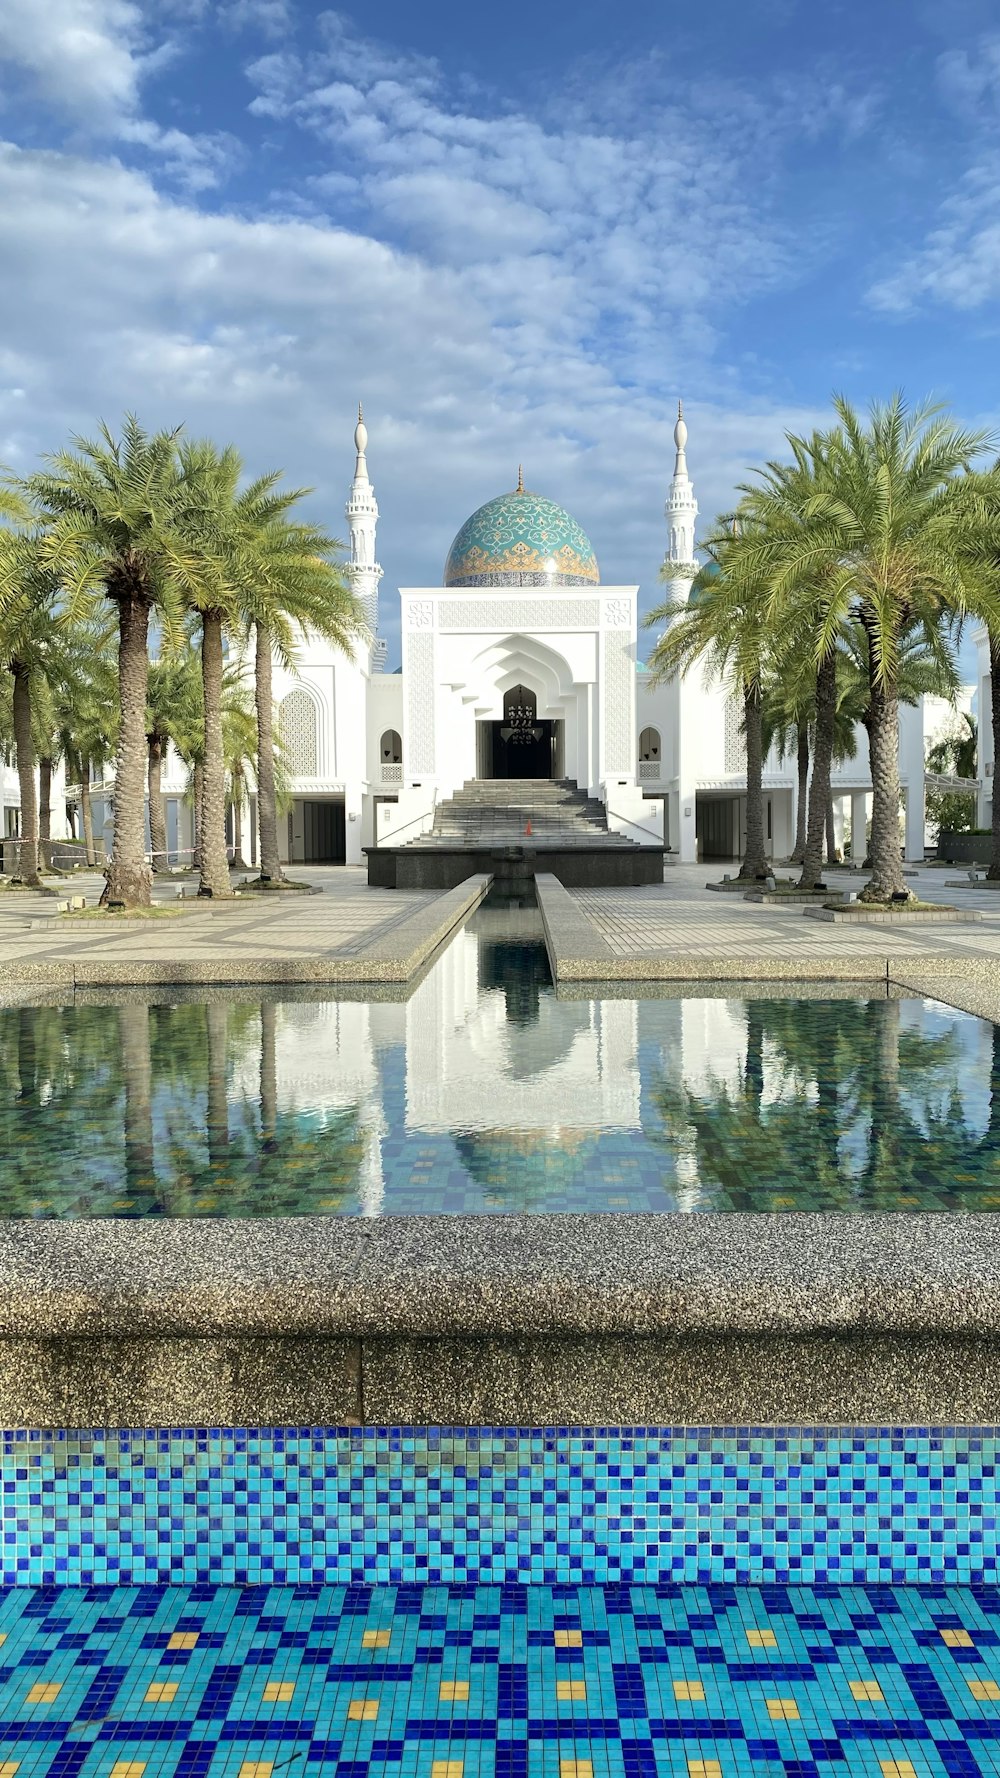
{"points": [[521, 539]]}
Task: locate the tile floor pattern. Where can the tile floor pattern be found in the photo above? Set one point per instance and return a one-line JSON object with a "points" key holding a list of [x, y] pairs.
{"points": [[500, 1682]]}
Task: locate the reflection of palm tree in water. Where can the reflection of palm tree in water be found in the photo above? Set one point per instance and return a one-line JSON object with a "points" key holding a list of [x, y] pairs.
{"points": [[137, 1080], [838, 1133], [217, 1121]]}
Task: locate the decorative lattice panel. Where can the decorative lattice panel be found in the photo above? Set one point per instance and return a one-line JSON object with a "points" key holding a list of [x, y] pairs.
{"points": [[518, 614], [735, 741], [619, 685], [300, 734], [420, 702]]}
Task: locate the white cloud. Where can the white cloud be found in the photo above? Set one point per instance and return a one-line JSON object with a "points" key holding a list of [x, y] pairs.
{"points": [[87, 60], [268, 330], [83, 54], [959, 264]]}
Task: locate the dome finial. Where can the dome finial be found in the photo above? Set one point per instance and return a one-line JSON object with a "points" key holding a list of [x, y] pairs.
{"points": [[680, 436], [520, 480]]}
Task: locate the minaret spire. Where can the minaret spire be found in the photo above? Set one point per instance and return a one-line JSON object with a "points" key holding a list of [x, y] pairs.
{"points": [[363, 571], [681, 506]]}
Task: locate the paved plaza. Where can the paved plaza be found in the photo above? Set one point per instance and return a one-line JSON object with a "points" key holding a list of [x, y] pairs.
{"points": [[349, 930]]}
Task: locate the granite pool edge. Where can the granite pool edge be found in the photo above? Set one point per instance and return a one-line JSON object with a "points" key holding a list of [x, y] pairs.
{"points": [[391, 957], [531, 1320]]}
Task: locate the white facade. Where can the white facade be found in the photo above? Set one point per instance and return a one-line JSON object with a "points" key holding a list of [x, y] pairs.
{"points": [[371, 753]]}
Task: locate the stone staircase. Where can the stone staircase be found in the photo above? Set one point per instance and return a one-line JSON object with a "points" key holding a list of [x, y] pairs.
{"points": [[494, 812]]}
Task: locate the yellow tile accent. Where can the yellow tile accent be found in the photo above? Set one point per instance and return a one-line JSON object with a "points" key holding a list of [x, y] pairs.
{"points": [[957, 1639], [568, 1638], [898, 1768], [257, 1768], [704, 1768], [279, 1691], [184, 1639], [45, 1692], [362, 1709], [3, 1638], [782, 1709], [761, 1639], [454, 1691], [163, 1692], [125, 1768], [986, 1690], [9, 1768], [690, 1691], [447, 1768], [376, 1639], [571, 1688], [867, 1691], [576, 1768]]}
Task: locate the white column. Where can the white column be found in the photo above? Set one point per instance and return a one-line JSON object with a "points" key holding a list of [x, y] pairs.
{"points": [[859, 824]]}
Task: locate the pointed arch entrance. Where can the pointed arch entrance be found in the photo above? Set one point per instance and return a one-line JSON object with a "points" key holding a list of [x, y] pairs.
{"points": [[521, 744]]}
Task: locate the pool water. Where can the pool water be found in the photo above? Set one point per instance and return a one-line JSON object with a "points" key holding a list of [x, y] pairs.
{"points": [[486, 1093]]}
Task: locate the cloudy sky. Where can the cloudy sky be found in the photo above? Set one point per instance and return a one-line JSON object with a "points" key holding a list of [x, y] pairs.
{"points": [[516, 231]]}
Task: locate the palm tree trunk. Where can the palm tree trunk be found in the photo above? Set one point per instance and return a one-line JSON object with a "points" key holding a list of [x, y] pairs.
{"points": [[831, 832], [157, 813], [754, 865], [86, 810], [128, 877], [882, 723], [27, 851], [196, 814], [214, 861], [44, 811], [994, 637], [801, 801], [267, 805], [819, 790], [239, 862]]}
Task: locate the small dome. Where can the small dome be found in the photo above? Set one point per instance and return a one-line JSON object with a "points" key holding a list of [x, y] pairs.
{"points": [[521, 539]]}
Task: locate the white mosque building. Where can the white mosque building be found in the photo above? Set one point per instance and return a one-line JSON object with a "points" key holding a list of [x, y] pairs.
{"points": [[525, 639]]}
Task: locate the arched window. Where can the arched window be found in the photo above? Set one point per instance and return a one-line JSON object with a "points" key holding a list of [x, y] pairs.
{"points": [[299, 735], [649, 744], [391, 748]]}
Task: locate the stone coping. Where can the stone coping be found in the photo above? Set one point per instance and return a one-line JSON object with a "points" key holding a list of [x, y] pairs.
{"points": [[502, 1320], [431, 1276], [393, 956], [860, 915]]}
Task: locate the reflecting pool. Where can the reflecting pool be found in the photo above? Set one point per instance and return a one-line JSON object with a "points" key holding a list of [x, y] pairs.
{"points": [[486, 1094]]}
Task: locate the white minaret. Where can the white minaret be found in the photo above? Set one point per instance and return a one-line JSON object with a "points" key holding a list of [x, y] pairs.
{"points": [[681, 506], [363, 571]]}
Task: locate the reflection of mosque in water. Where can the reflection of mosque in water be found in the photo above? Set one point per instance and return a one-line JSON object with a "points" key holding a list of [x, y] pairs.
{"points": [[486, 1092]]}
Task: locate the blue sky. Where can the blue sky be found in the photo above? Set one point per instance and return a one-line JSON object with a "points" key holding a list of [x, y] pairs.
{"points": [[516, 232]]}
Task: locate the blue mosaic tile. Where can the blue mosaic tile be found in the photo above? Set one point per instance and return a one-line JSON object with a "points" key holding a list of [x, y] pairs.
{"points": [[500, 1682], [496, 1504]]}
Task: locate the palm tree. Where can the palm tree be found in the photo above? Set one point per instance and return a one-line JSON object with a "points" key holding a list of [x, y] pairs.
{"points": [[27, 638], [724, 623], [294, 587], [117, 517], [275, 573], [882, 529], [173, 705], [786, 714]]}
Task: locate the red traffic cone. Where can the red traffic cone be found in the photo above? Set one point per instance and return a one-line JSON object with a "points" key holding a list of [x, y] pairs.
{"points": [[528, 829]]}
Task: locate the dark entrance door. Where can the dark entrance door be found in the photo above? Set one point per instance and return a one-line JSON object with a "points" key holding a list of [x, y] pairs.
{"points": [[324, 833], [522, 743]]}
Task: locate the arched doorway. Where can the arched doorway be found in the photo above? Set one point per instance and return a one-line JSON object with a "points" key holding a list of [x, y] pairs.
{"points": [[520, 745]]}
